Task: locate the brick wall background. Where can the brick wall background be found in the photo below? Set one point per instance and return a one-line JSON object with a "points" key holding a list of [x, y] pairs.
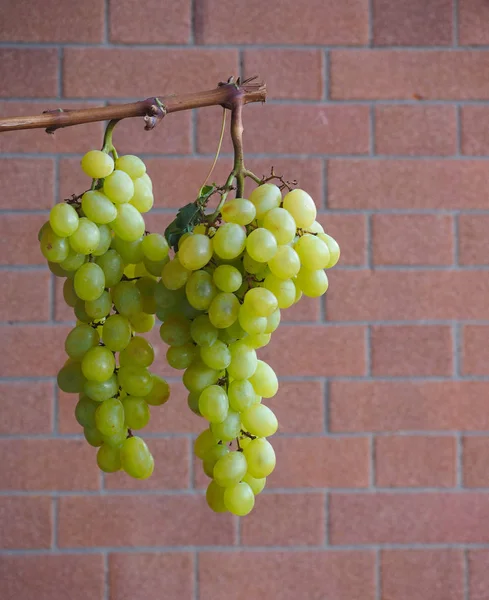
{"points": [[381, 109]]}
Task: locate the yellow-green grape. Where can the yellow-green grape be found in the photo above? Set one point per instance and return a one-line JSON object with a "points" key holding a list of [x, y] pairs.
{"points": [[109, 416], [259, 420], [253, 266], [175, 331], [99, 308], [112, 265], [265, 197], [239, 499], [224, 310], [55, 249], [282, 289], [195, 252], [181, 357], [81, 313], [260, 457], [73, 261], [213, 404], [136, 412], [118, 187], [250, 322], [166, 298], [298, 291], [312, 283], [227, 278], [130, 252], [183, 237], [147, 285], [109, 459], [150, 268], [232, 333], [136, 458], [80, 340], [238, 211], [211, 457], [286, 263], [85, 411], [97, 164], [230, 469], [174, 275], [229, 429], [260, 302], [256, 485], [216, 356], [116, 333], [98, 364], [333, 247], [89, 282], [142, 322], [63, 219], [199, 376], [93, 436], [301, 206], [69, 294], [86, 238], [98, 208], [281, 223], [116, 440], [142, 198], [136, 381], [258, 340], [214, 496], [101, 390], [56, 269], [193, 403], [127, 298], [203, 443], [129, 224], [155, 247], [261, 245], [273, 321], [160, 391], [200, 290], [203, 331], [241, 394], [132, 165], [313, 252], [316, 228], [138, 352], [147, 179], [229, 241], [264, 380], [243, 360], [104, 242]]}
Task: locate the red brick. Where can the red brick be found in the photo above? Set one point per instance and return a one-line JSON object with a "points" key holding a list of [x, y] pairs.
{"points": [[26, 407], [312, 575], [475, 350], [408, 406], [142, 575], [413, 130], [416, 184], [415, 461], [284, 405], [412, 239], [422, 574], [412, 23], [25, 295], [52, 577], [350, 231], [408, 350], [152, 25], [338, 462], [345, 350], [30, 183], [285, 520], [26, 522], [32, 72], [34, 350], [475, 455], [478, 563], [148, 521], [275, 67], [400, 74], [472, 234], [18, 239], [472, 14], [474, 125], [120, 73], [308, 309], [430, 518]]}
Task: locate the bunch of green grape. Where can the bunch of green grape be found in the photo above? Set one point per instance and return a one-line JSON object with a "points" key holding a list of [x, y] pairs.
{"points": [[98, 243], [220, 299]]}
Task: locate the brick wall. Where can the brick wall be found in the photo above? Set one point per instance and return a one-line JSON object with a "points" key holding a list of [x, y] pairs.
{"points": [[381, 110]]}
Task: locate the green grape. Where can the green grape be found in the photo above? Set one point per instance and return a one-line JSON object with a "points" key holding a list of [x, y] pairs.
{"points": [[116, 440], [213, 404], [259, 420], [99, 308], [200, 290], [204, 442], [265, 197], [105, 240], [195, 252], [193, 403], [203, 331], [174, 275], [166, 298], [273, 321], [282, 289], [301, 206], [238, 211], [216, 356], [251, 323], [160, 391], [142, 199], [136, 412], [132, 165], [71, 378], [232, 333], [260, 457], [109, 416], [261, 245], [230, 469], [118, 187], [313, 252], [181, 357], [183, 238], [229, 429], [312, 283], [155, 247], [108, 458], [55, 249], [224, 310], [211, 457], [256, 485], [86, 238], [243, 360], [81, 313], [129, 224], [136, 381], [98, 208], [130, 252], [316, 228], [101, 390], [56, 270], [286, 263], [97, 164], [116, 333], [69, 293], [281, 223], [85, 412], [139, 352], [73, 261], [147, 286], [239, 499], [258, 340], [264, 380], [136, 458], [333, 247], [260, 302], [127, 298], [98, 364], [142, 322], [93, 436], [229, 241], [89, 281], [112, 265], [79, 340], [214, 496], [241, 394], [154, 268], [227, 278], [199, 376], [175, 331], [63, 219], [252, 266]]}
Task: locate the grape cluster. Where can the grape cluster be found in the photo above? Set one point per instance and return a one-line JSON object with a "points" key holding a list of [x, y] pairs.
{"points": [[97, 241], [219, 299]]}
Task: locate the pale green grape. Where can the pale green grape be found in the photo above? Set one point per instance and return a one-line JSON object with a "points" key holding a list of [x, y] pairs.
{"points": [[104, 242], [175, 331], [260, 302], [224, 310], [195, 252], [89, 281], [298, 291], [232, 333], [229, 429], [127, 298], [147, 285], [132, 165], [160, 391], [98, 208], [216, 356], [204, 442], [55, 249], [286, 263], [251, 323], [313, 252], [282, 289], [264, 380], [109, 416], [174, 275], [118, 187], [312, 283], [241, 394], [147, 179], [181, 357], [260, 457], [98, 364], [71, 378], [116, 333], [193, 403], [261, 245], [213, 404], [273, 321], [136, 458], [227, 278], [136, 381], [253, 266], [142, 322], [81, 313], [211, 457], [69, 294], [199, 376], [281, 223], [79, 340], [333, 247], [316, 228], [238, 211], [136, 412], [142, 198], [200, 290], [230, 469], [265, 197], [258, 340], [97, 164], [103, 390], [214, 496], [109, 459], [85, 412], [229, 241], [73, 261], [63, 219], [203, 331], [257, 485], [129, 224], [243, 360], [112, 265], [130, 252], [155, 247], [116, 440], [99, 308], [301, 206], [239, 499], [93, 436], [86, 238], [139, 352], [259, 420]]}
